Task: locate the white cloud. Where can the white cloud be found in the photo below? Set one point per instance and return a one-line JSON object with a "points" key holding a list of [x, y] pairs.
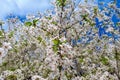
{"points": [[22, 7]]}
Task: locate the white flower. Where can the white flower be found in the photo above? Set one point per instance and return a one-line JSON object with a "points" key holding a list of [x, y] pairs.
{"points": [[1, 52], [68, 46], [30, 17], [48, 60], [63, 39], [17, 71], [100, 18], [37, 77], [88, 11], [7, 73], [110, 48], [53, 66], [106, 73], [6, 46], [53, 27], [68, 62], [78, 78], [1, 78], [110, 29]]}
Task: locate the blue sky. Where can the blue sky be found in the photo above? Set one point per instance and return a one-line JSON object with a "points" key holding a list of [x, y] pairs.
{"points": [[22, 7]]}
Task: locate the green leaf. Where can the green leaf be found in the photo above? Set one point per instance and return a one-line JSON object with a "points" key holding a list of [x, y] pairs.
{"points": [[111, 70], [12, 68], [4, 64], [86, 1], [1, 33], [46, 73], [55, 48], [43, 42], [81, 60], [33, 47], [24, 43], [117, 57], [104, 60], [11, 77], [89, 51], [84, 16], [15, 50], [28, 24], [11, 34], [61, 3], [95, 10], [118, 24], [0, 44], [49, 18], [32, 68], [92, 24], [55, 23], [39, 39], [56, 41], [68, 75], [105, 47], [56, 44], [48, 34], [1, 23], [35, 22]]}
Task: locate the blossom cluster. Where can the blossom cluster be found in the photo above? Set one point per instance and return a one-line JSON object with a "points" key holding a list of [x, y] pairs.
{"points": [[77, 42]]}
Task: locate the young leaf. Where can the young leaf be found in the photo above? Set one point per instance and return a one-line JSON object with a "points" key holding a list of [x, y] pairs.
{"points": [[61, 3], [11, 34], [104, 60], [56, 41], [55, 48], [28, 24], [35, 22], [1, 34], [39, 39], [55, 23]]}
